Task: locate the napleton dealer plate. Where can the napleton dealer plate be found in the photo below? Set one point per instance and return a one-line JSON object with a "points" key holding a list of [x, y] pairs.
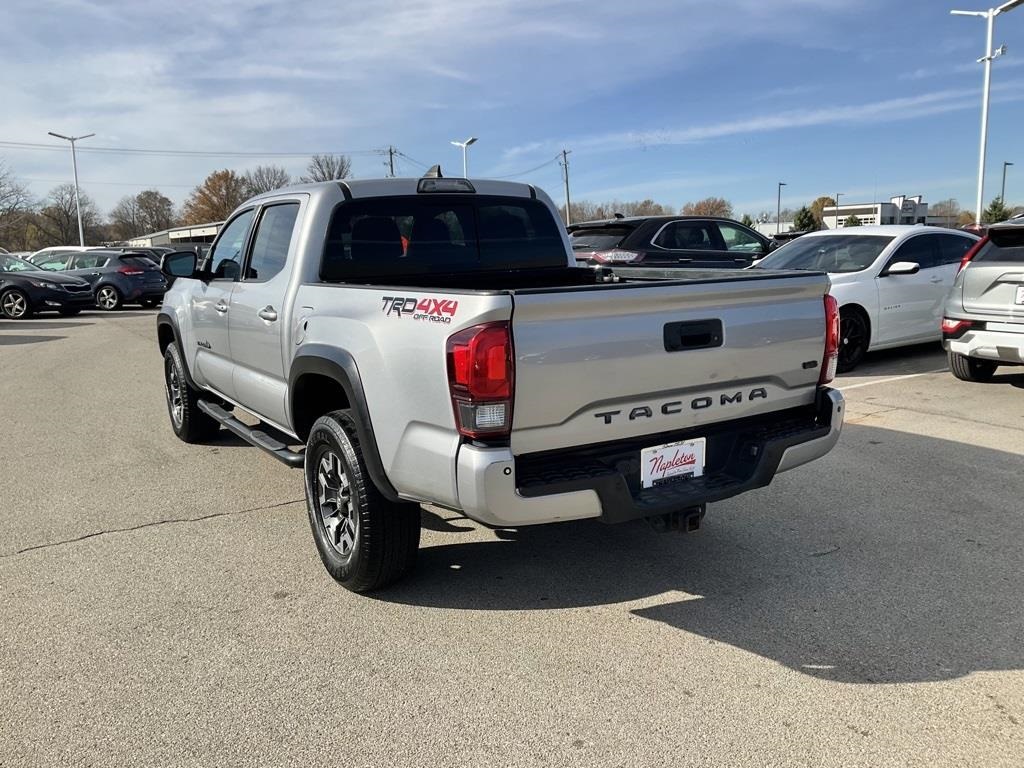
{"points": [[671, 461]]}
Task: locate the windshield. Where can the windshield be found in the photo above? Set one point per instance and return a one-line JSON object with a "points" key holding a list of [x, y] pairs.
{"points": [[598, 238], [828, 253], [14, 264]]}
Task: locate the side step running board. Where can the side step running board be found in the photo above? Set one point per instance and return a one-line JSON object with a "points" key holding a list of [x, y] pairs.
{"points": [[260, 439]]}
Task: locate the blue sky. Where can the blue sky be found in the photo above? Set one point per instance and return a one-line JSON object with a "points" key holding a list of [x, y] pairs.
{"points": [[673, 100]]}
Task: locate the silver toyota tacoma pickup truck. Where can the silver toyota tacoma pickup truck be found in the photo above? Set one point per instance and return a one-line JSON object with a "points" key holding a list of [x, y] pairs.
{"points": [[409, 341]]}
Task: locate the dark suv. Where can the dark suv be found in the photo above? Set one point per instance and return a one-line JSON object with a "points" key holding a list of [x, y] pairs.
{"points": [[116, 277], [668, 241]]}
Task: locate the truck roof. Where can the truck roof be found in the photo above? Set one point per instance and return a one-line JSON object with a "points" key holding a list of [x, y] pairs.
{"points": [[361, 188]]}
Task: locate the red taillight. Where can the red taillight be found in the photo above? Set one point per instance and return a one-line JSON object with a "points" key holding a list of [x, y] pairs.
{"points": [[130, 271], [955, 328], [972, 253], [480, 379], [831, 358]]}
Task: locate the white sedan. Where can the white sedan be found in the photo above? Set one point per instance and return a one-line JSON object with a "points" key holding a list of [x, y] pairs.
{"points": [[890, 281]]}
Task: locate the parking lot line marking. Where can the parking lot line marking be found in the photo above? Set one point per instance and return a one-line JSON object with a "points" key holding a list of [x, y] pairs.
{"points": [[893, 378]]}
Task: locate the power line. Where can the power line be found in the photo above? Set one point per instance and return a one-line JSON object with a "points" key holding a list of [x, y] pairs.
{"points": [[30, 146], [546, 163], [108, 183]]}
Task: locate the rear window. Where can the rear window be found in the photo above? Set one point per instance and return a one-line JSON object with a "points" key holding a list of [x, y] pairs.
{"points": [[137, 261], [425, 233], [1004, 245], [598, 238]]}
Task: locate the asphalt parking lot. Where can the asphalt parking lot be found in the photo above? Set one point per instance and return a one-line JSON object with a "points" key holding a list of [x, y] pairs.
{"points": [[163, 604]]}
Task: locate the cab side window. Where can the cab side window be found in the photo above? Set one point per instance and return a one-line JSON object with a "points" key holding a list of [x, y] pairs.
{"points": [[226, 254], [271, 241], [953, 248]]}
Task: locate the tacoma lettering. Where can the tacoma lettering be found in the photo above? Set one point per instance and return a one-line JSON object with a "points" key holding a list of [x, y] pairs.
{"points": [[674, 407]]}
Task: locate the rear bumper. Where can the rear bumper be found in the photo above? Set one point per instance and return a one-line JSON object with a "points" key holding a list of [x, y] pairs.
{"points": [[989, 344], [602, 481]]}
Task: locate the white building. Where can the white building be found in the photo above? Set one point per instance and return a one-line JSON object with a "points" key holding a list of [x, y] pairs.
{"points": [[899, 210]]}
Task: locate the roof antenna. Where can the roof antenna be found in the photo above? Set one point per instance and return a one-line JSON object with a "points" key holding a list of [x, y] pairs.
{"points": [[433, 173]]}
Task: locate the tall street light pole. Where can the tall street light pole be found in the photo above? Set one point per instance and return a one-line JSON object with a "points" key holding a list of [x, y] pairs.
{"points": [[990, 54], [466, 144], [837, 208], [778, 205], [74, 165], [1002, 192]]}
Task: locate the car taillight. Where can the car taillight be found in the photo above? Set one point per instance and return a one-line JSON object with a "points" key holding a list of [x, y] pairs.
{"points": [[130, 270], [615, 255], [955, 328], [831, 358], [971, 254], [480, 380]]}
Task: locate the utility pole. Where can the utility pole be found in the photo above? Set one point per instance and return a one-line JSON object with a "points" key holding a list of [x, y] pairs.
{"points": [[74, 165], [778, 209], [990, 54], [565, 175], [1002, 194], [837, 209], [391, 162]]}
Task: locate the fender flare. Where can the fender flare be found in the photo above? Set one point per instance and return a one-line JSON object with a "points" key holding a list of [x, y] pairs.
{"points": [[340, 366], [167, 320]]}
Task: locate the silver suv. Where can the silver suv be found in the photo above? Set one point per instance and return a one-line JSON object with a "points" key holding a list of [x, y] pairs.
{"points": [[983, 325]]}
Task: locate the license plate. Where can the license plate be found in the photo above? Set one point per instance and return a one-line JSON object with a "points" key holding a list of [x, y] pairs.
{"points": [[1020, 295], [662, 463]]}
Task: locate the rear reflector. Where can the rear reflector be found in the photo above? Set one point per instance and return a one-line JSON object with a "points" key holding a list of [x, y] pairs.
{"points": [[130, 271], [480, 380], [831, 358], [972, 253]]}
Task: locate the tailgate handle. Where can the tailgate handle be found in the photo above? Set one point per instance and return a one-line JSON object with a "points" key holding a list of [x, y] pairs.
{"points": [[693, 334]]}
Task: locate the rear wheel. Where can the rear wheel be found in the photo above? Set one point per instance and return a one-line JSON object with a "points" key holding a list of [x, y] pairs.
{"points": [[364, 540], [971, 368], [14, 304], [854, 336], [188, 422], [108, 298]]}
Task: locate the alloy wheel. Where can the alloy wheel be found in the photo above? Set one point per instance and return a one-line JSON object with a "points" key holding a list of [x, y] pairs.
{"points": [[175, 395], [107, 298], [337, 513], [14, 304]]}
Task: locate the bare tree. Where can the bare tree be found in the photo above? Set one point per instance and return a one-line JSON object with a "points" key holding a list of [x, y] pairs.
{"points": [[584, 210], [15, 206], [266, 178], [215, 198], [709, 206], [948, 209], [58, 218], [156, 211], [328, 168], [125, 221]]}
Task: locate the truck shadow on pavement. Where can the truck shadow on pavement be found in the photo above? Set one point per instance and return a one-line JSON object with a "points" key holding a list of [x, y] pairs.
{"points": [[17, 339], [879, 564]]}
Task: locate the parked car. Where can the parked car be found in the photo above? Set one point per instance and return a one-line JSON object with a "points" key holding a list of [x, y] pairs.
{"points": [[56, 250], [24, 290], [667, 241], [891, 281], [983, 325], [154, 253], [116, 278], [433, 341]]}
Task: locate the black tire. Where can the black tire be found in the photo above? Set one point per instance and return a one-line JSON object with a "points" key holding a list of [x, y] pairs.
{"points": [[69, 312], [854, 338], [365, 541], [108, 298], [971, 368], [14, 304], [188, 422]]}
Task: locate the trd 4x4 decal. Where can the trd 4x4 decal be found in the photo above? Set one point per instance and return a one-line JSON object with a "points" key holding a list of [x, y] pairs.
{"points": [[432, 310]]}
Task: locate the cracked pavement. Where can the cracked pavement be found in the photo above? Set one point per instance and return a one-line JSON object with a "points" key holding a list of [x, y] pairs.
{"points": [[163, 605]]}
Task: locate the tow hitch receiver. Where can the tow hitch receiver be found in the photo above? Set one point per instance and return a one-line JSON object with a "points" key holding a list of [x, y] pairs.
{"points": [[684, 520]]}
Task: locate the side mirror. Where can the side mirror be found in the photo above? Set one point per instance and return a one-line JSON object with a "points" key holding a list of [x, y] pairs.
{"points": [[902, 268], [178, 264]]}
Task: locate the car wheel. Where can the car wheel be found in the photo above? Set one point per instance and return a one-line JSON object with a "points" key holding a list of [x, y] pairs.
{"points": [[188, 422], [69, 312], [14, 304], [108, 298], [365, 541], [971, 368], [854, 337]]}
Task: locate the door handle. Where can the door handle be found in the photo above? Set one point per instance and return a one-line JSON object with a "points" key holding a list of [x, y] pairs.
{"points": [[222, 306], [268, 313]]}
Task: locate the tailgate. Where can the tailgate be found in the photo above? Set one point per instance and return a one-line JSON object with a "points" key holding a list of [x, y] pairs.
{"points": [[625, 360], [993, 283]]}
